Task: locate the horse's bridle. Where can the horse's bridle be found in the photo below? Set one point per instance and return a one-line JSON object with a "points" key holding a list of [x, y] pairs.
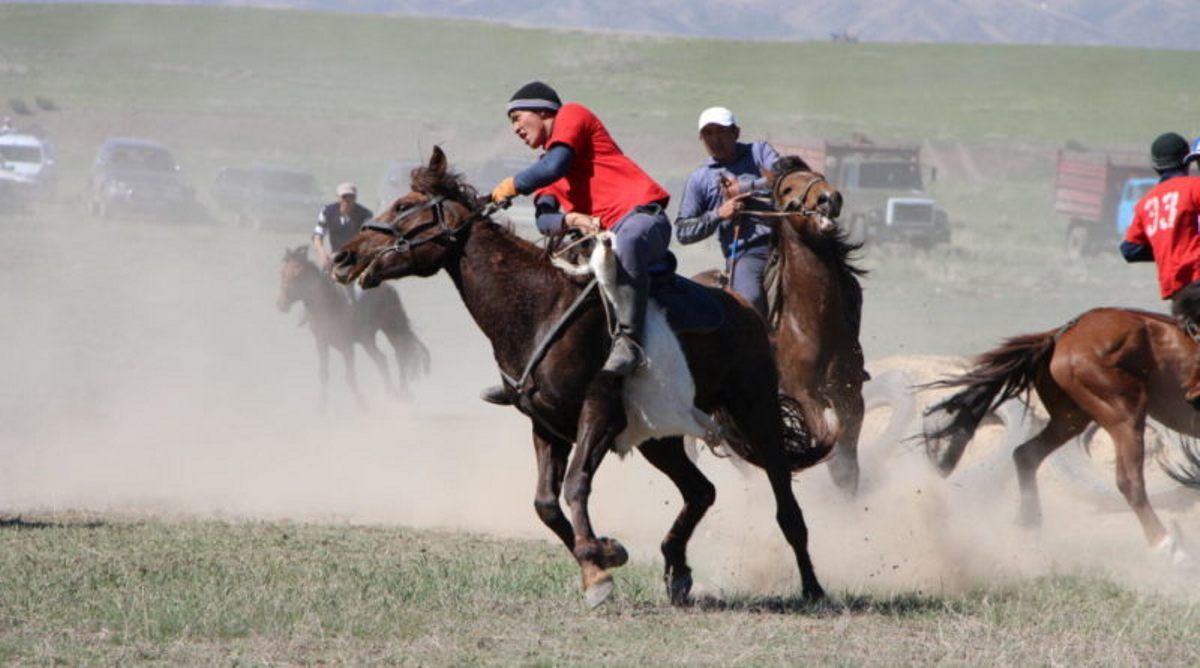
{"points": [[816, 178], [406, 241]]}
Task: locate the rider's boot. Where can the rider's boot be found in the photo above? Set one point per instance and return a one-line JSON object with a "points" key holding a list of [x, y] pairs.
{"points": [[500, 395], [627, 353]]}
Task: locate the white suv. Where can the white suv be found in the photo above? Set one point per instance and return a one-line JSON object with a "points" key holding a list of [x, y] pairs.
{"points": [[27, 169]]}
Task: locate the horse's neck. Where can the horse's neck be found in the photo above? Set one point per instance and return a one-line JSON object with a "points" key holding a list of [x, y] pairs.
{"points": [[511, 300], [325, 301], [811, 285]]}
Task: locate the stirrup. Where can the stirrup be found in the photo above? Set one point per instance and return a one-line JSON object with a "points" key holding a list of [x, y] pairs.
{"points": [[634, 349]]}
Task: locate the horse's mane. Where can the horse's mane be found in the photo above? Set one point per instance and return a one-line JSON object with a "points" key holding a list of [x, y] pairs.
{"points": [[453, 186], [836, 246]]}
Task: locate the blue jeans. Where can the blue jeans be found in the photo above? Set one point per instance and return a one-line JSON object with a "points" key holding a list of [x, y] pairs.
{"points": [[642, 238], [746, 277]]}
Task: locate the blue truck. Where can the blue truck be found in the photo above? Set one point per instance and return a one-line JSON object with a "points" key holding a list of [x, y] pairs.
{"points": [[1097, 191]]}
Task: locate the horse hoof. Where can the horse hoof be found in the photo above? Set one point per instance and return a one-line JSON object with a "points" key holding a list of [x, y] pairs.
{"points": [[814, 593], [611, 554], [679, 589], [598, 592]]}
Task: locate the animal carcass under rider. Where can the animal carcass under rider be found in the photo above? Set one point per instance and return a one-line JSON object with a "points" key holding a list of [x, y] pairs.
{"points": [[714, 201], [1166, 228], [584, 181]]}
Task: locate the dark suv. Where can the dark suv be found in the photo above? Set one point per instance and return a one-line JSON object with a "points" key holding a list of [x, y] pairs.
{"points": [[137, 176], [264, 196]]}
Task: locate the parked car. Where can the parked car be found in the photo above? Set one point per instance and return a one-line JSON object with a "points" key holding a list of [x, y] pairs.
{"points": [[266, 196], [138, 176], [28, 171]]}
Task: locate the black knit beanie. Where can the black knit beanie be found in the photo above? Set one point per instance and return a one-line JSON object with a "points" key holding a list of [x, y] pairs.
{"points": [[1168, 151], [534, 95]]}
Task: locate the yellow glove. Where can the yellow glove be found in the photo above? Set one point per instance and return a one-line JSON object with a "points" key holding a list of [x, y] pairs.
{"points": [[505, 190]]}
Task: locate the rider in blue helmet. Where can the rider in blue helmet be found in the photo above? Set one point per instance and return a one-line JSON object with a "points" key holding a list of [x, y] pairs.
{"points": [[1194, 155]]}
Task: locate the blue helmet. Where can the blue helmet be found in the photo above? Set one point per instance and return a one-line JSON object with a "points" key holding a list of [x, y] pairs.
{"points": [[1195, 154]]}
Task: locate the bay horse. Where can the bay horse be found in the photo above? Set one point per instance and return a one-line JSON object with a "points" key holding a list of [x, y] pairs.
{"points": [[540, 319], [1110, 366], [337, 322], [815, 311]]}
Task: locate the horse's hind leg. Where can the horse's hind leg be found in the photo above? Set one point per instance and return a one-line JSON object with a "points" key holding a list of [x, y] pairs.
{"points": [[323, 372], [551, 453], [1064, 425], [669, 456], [600, 421], [1131, 454]]}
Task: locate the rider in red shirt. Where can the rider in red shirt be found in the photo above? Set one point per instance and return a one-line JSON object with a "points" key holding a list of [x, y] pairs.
{"points": [[586, 175], [1166, 230]]}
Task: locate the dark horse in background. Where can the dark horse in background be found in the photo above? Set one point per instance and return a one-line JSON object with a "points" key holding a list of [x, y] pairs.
{"points": [[515, 295], [338, 323], [1110, 366], [816, 308]]}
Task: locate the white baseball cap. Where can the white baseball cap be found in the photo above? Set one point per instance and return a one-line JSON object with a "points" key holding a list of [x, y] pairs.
{"points": [[717, 116], [347, 189]]}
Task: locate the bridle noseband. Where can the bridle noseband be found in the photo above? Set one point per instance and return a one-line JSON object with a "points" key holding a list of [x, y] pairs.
{"points": [[816, 178], [406, 241]]}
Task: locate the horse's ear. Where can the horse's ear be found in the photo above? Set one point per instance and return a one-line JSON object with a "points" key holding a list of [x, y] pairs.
{"points": [[437, 161]]}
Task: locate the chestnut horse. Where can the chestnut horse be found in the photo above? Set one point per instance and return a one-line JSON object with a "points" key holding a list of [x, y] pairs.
{"points": [[337, 323], [1111, 366], [538, 318], [816, 310]]}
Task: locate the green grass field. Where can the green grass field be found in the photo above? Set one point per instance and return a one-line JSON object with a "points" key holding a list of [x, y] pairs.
{"points": [[79, 590]]}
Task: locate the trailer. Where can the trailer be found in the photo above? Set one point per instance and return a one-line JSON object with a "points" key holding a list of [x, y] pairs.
{"points": [[1096, 191]]}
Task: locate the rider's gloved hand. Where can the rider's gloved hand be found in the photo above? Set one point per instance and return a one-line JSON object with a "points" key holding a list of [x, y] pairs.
{"points": [[505, 190]]}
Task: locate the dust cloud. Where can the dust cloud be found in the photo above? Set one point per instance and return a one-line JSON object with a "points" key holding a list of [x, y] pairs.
{"points": [[147, 371]]}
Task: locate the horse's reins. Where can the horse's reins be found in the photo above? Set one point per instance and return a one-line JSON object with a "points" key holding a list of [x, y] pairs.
{"points": [[406, 241]]}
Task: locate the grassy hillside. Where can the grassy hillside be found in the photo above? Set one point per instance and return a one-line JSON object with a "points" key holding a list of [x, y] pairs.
{"points": [[432, 80]]}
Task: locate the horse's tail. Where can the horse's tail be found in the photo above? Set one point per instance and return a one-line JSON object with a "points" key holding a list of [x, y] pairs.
{"points": [[999, 375], [1187, 472], [802, 452], [798, 446]]}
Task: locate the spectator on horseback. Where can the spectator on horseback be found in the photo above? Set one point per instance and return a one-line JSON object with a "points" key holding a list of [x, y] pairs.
{"points": [[338, 223], [1166, 229], [714, 200], [585, 182]]}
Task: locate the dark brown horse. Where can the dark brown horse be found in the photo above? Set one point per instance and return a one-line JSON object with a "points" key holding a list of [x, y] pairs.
{"points": [[1111, 366], [336, 322], [516, 296], [816, 308]]}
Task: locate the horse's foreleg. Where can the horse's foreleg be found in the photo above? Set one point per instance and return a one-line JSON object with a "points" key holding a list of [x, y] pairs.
{"points": [[843, 464], [323, 371], [551, 453], [352, 376], [669, 456], [380, 361], [601, 420]]}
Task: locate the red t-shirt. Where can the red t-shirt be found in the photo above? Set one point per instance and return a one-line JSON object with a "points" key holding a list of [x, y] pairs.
{"points": [[601, 180], [1168, 219]]}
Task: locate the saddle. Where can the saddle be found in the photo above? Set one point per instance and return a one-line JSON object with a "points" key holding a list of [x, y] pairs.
{"points": [[690, 307]]}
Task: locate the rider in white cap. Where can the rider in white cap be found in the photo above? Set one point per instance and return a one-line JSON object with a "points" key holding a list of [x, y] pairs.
{"points": [[714, 201]]}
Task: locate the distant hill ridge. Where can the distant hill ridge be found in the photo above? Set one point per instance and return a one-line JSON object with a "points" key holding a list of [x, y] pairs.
{"points": [[1161, 24]]}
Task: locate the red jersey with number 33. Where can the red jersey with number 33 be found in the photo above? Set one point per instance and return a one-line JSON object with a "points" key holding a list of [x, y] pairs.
{"points": [[601, 180], [1168, 220]]}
